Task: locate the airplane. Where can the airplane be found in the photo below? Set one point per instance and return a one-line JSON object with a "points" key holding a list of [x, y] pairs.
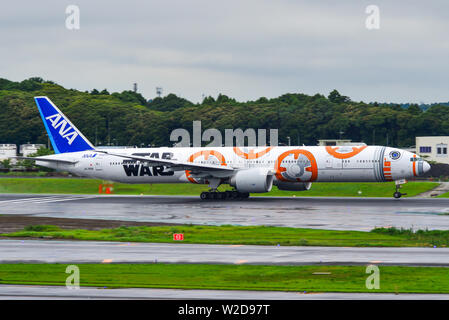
{"points": [[247, 170]]}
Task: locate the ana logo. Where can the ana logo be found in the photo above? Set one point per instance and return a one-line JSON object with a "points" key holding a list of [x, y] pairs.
{"points": [[89, 155], [58, 122], [395, 155]]}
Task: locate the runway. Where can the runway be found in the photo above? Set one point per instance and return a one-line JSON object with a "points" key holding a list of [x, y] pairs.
{"points": [[74, 252], [361, 214], [16, 292], [325, 213]]}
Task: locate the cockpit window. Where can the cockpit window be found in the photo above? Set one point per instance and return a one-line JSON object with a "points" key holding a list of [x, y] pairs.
{"points": [[415, 159]]}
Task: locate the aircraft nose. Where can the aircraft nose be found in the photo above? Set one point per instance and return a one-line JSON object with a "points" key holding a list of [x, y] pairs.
{"points": [[426, 166]]}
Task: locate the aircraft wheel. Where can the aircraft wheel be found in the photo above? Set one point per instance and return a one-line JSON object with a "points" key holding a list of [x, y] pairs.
{"points": [[204, 195], [397, 195]]}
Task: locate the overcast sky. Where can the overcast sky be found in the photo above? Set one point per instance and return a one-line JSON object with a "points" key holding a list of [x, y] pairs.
{"points": [[244, 49]]}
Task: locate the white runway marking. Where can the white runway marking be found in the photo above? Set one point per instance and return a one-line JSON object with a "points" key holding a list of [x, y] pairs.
{"points": [[43, 199]]}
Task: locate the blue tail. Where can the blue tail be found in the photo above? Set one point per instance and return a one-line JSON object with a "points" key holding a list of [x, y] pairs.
{"points": [[64, 136]]}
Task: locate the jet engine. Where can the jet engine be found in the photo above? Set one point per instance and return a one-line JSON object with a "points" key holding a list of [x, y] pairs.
{"points": [[256, 180]]}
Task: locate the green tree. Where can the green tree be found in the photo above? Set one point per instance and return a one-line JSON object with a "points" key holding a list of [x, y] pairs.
{"points": [[336, 97], [6, 163]]}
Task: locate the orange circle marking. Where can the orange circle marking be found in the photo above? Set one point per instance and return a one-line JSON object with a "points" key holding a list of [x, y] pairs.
{"points": [[313, 165], [251, 154], [206, 154], [355, 151]]}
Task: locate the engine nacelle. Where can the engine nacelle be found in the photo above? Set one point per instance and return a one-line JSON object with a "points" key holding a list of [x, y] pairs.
{"points": [[257, 180], [294, 186]]}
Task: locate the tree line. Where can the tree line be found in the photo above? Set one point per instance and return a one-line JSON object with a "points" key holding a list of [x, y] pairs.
{"points": [[127, 118]]}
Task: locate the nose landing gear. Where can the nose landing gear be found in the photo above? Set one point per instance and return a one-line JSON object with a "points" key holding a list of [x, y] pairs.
{"points": [[399, 194]]}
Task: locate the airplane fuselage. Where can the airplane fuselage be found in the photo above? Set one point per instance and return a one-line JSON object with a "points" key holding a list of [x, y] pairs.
{"points": [[289, 164]]}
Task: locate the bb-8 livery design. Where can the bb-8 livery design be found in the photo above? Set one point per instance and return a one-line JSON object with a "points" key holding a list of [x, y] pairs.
{"points": [[246, 169]]}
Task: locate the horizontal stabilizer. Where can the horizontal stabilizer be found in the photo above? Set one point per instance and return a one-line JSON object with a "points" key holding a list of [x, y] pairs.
{"points": [[45, 159]]}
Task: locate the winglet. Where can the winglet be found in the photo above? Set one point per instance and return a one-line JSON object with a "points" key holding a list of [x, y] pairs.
{"points": [[64, 136]]}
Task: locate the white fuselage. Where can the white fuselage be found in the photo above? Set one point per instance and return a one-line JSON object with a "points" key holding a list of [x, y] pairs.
{"points": [[289, 164]]}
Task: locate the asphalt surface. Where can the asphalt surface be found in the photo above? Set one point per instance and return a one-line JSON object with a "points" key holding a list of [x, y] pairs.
{"points": [[324, 213], [73, 252], [15, 292], [312, 212]]}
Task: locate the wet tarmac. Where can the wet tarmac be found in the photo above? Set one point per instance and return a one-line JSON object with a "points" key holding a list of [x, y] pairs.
{"points": [[73, 252], [17, 292], [307, 212], [324, 213]]}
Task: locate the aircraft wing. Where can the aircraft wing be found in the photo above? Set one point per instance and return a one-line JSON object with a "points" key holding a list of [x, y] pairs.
{"points": [[46, 159], [176, 165]]}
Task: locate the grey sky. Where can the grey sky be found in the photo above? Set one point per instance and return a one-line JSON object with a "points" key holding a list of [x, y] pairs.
{"points": [[244, 49]]}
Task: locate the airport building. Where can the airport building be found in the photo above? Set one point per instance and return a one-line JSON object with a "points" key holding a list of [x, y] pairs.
{"points": [[27, 149], [8, 150], [434, 148]]}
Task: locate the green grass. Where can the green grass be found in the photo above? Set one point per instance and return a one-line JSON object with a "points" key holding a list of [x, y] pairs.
{"points": [[439, 238], [245, 235], [233, 277], [90, 186], [24, 173]]}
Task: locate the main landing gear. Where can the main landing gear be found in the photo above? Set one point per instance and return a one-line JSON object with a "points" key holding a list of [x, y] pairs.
{"points": [[226, 195]]}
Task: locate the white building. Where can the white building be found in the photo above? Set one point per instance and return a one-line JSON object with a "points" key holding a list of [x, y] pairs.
{"points": [[8, 150], [433, 148], [27, 149]]}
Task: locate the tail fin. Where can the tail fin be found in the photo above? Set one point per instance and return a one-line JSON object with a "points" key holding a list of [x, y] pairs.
{"points": [[64, 136]]}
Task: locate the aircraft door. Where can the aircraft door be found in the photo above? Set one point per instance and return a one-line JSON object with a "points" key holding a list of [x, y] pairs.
{"points": [[98, 162], [329, 162]]}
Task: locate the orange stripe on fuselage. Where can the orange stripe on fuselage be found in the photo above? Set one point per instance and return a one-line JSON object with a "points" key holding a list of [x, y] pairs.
{"points": [[414, 166], [387, 170], [355, 151]]}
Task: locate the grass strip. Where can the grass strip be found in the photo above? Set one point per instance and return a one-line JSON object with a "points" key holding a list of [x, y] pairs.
{"points": [[233, 277], [247, 235], [90, 186]]}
